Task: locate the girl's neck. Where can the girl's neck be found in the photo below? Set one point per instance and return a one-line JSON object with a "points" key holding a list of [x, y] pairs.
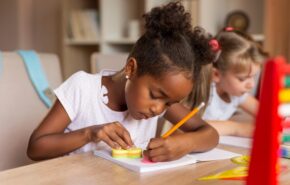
{"points": [[116, 91], [222, 94]]}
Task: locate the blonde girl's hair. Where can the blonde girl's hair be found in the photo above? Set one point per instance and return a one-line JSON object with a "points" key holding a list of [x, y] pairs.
{"points": [[238, 51], [201, 89]]}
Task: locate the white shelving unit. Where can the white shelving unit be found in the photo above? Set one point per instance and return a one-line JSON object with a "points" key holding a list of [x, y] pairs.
{"points": [[119, 24]]}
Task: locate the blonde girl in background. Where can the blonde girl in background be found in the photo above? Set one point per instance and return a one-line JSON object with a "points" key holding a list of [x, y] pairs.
{"points": [[234, 75]]}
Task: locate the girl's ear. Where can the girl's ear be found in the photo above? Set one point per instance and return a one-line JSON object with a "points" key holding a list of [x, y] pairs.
{"points": [[216, 75], [131, 67]]}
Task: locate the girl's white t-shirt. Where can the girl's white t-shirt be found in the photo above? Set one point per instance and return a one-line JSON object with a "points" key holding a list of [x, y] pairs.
{"points": [[218, 109], [84, 99]]}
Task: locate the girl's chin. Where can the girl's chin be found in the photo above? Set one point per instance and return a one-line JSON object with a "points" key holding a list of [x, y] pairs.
{"points": [[137, 116], [238, 94]]}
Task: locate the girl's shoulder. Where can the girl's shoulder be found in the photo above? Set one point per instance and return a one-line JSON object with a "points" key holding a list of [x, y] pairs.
{"points": [[82, 78], [81, 75], [81, 81]]}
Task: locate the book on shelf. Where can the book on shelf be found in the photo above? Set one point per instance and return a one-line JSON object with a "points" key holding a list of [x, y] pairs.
{"points": [[83, 25]]}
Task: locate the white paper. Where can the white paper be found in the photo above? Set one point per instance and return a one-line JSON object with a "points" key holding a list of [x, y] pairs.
{"points": [[236, 141], [214, 154], [138, 166]]}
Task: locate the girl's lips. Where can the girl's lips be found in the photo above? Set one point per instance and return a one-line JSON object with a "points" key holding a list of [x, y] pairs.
{"points": [[144, 116], [141, 116]]}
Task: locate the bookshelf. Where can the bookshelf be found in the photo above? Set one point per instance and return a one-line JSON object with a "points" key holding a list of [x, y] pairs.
{"points": [[118, 23]]}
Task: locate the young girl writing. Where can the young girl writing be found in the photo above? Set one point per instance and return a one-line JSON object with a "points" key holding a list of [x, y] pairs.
{"points": [[233, 77], [119, 109]]}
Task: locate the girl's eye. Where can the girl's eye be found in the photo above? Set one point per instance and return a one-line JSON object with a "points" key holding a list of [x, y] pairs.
{"points": [[152, 95], [242, 79], [168, 104]]}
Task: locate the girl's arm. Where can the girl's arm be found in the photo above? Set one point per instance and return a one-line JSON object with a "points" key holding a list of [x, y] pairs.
{"points": [[48, 140], [199, 137], [241, 126], [233, 128], [250, 105]]}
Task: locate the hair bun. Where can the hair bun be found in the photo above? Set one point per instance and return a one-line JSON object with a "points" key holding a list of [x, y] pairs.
{"points": [[200, 42], [167, 20]]}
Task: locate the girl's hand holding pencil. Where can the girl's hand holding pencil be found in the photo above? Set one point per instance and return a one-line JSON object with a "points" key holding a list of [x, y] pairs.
{"points": [[170, 148]]}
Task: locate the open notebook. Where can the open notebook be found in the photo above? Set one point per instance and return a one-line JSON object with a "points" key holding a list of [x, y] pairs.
{"points": [[139, 166]]}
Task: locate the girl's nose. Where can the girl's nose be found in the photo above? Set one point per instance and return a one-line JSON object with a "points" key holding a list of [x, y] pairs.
{"points": [[157, 108]]}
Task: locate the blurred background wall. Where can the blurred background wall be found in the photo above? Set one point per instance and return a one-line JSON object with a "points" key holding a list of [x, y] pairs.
{"points": [[30, 24]]}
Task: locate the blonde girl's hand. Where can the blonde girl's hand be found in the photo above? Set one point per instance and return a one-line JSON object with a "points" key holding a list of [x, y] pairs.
{"points": [[168, 149], [114, 134]]}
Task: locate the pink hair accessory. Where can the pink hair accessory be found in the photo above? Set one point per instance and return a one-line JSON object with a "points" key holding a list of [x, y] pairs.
{"points": [[229, 28], [214, 45]]}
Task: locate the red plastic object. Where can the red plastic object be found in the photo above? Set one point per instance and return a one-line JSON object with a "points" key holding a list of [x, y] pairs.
{"points": [[264, 155], [286, 123]]}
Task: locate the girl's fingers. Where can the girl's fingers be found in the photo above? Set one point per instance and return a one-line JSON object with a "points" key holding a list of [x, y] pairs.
{"points": [[110, 142], [124, 134], [155, 143], [156, 152], [117, 139], [159, 158], [115, 135]]}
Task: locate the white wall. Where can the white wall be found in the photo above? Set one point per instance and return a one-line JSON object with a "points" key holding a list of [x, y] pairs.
{"points": [[30, 24], [212, 13], [8, 24]]}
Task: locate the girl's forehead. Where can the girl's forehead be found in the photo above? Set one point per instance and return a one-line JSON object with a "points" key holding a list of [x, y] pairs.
{"points": [[173, 84], [243, 67], [249, 70]]}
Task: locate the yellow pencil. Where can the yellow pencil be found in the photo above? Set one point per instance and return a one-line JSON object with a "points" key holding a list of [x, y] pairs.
{"points": [[187, 117]]}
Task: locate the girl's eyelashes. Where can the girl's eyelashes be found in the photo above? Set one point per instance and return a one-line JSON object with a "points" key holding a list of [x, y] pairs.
{"points": [[171, 103], [168, 104], [152, 96], [242, 79]]}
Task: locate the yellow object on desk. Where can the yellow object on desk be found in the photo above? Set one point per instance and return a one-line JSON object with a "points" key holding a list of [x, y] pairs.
{"points": [[237, 173], [242, 160], [132, 153]]}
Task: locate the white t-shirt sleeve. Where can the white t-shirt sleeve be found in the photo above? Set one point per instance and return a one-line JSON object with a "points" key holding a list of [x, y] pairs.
{"points": [[69, 94]]}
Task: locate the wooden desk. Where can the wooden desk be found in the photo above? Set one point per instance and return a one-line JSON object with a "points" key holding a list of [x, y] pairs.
{"points": [[86, 169]]}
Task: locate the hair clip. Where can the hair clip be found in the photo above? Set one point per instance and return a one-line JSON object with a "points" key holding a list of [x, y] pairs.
{"points": [[215, 47], [229, 28]]}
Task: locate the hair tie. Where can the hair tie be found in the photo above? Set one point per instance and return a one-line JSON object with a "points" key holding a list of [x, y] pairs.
{"points": [[215, 47], [229, 28], [214, 44]]}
